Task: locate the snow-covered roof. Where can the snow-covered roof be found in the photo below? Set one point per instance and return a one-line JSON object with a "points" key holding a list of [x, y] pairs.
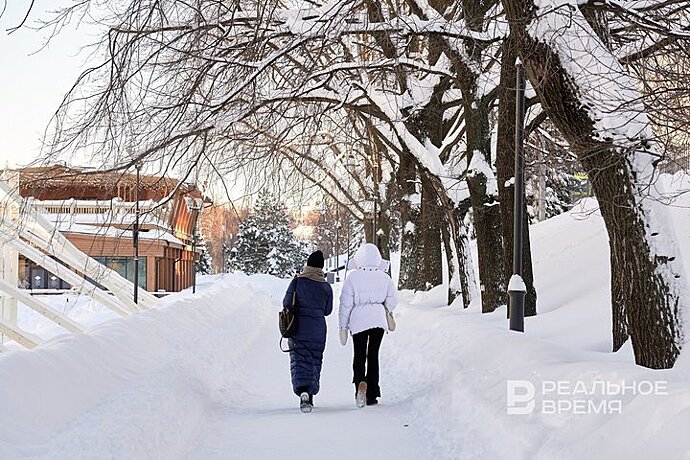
{"points": [[114, 232]]}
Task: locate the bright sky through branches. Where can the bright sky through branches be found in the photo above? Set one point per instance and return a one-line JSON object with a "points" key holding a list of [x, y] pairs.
{"points": [[33, 80]]}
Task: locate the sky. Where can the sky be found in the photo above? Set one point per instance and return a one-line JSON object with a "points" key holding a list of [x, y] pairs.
{"points": [[33, 80]]}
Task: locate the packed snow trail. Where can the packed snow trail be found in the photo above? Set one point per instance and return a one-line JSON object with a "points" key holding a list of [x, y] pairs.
{"points": [[259, 417]]}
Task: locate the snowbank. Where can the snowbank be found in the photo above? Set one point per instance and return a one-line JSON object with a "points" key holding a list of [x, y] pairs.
{"points": [[148, 377]]}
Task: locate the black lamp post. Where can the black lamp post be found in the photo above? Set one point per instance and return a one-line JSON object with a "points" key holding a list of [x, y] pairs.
{"points": [[194, 206], [194, 254], [135, 235], [347, 251], [337, 246], [516, 287]]}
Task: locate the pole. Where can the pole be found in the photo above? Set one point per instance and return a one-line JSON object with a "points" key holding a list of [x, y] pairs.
{"points": [[347, 259], [194, 207], [135, 236], [542, 181], [377, 180], [196, 219], [337, 246], [516, 287], [373, 222]]}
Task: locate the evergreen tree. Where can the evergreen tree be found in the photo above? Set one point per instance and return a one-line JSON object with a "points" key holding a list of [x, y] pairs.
{"points": [[560, 189], [265, 242], [554, 170], [204, 266]]}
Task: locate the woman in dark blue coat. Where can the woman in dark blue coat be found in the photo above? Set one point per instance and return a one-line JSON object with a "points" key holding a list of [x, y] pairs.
{"points": [[314, 301]]}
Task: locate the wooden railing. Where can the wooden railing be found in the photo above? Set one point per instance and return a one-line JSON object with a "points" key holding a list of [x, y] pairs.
{"points": [[24, 230]]}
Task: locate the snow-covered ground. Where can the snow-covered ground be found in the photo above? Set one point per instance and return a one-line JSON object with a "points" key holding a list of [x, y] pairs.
{"points": [[202, 377]]}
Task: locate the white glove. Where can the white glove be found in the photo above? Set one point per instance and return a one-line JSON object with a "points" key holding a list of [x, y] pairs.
{"points": [[343, 336]]}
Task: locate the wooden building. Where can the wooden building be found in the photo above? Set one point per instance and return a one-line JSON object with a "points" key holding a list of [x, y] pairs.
{"points": [[96, 211]]}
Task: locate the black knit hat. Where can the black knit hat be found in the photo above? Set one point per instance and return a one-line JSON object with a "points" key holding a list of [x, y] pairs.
{"points": [[315, 259]]}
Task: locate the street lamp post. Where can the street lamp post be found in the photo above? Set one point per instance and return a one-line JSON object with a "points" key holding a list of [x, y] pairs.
{"points": [[194, 256], [337, 246], [348, 230], [374, 197], [135, 234], [516, 286], [194, 206]]}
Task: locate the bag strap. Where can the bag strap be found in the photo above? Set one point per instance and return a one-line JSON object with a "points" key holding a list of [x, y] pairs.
{"points": [[294, 293], [280, 344]]}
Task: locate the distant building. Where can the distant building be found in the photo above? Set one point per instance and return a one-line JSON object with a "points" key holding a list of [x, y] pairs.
{"points": [[96, 212]]}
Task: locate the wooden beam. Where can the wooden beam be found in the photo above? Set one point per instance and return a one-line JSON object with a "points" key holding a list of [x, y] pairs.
{"points": [[23, 338], [41, 308], [68, 275]]}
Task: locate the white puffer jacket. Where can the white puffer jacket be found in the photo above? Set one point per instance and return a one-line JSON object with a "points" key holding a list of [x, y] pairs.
{"points": [[365, 292]]}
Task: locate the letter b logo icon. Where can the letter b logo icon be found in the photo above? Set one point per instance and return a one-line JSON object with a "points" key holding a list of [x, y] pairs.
{"points": [[520, 395]]}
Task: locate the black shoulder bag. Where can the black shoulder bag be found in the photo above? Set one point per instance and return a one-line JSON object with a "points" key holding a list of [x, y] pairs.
{"points": [[287, 320]]}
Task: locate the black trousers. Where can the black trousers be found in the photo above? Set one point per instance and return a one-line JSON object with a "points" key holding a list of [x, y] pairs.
{"points": [[365, 365]]}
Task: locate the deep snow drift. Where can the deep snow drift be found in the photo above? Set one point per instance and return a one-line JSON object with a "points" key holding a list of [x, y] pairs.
{"points": [[202, 376]]}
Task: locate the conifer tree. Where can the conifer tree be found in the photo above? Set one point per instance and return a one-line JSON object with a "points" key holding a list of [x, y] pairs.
{"points": [[265, 242], [204, 266]]}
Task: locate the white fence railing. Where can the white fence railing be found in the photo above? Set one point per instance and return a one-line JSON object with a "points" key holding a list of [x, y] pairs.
{"points": [[24, 230]]}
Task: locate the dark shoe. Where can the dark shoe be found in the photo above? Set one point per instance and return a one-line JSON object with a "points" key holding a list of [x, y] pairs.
{"points": [[311, 400], [304, 404], [372, 402]]}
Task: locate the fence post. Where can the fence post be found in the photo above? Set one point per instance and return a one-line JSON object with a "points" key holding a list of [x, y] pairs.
{"points": [[9, 265]]}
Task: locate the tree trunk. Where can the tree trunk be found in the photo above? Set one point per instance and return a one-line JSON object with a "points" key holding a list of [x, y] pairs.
{"points": [[414, 253], [486, 212], [436, 210], [505, 171], [383, 237], [645, 280], [431, 221], [461, 279], [626, 235]]}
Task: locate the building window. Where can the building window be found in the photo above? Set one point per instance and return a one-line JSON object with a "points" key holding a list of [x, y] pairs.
{"points": [[125, 267], [33, 276]]}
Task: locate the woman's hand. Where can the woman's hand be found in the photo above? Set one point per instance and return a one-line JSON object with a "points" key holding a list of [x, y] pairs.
{"points": [[343, 336]]}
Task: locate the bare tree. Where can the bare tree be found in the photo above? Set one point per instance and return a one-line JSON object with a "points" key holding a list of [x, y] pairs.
{"points": [[251, 81], [590, 97], [409, 88]]}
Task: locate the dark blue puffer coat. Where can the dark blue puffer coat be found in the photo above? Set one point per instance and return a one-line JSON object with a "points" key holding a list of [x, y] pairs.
{"points": [[314, 303]]}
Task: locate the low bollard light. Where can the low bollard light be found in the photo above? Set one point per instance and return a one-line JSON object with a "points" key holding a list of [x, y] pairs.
{"points": [[517, 291]]}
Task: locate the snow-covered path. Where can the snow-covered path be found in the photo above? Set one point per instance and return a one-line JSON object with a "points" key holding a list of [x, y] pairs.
{"points": [[259, 418]]}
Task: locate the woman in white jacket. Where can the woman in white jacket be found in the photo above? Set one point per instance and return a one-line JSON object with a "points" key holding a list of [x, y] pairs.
{"points": [[367, 292]]}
